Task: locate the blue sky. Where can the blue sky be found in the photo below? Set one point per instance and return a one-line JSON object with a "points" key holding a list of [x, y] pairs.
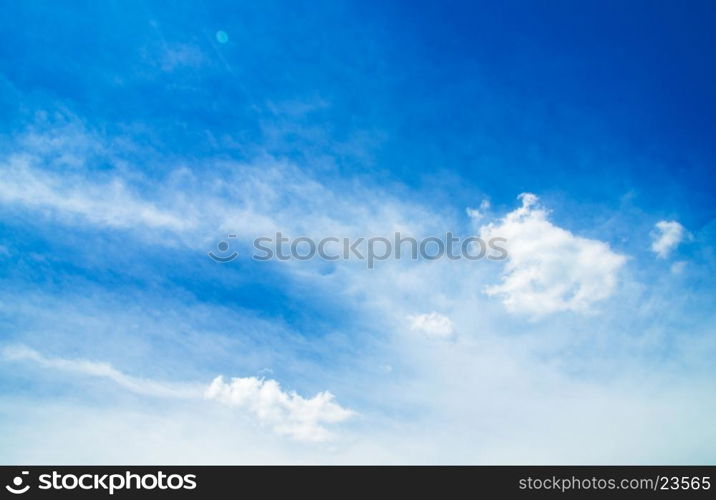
{"points": [[133, 139]]}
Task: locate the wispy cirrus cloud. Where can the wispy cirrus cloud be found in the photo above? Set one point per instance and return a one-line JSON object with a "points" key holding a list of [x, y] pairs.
{"points": [[103, 370], [287, 413], [456, 383], [432, 325], [67, 196]]}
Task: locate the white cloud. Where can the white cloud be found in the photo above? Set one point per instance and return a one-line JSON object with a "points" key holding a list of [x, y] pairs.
{"points": [[102, 370], [111, 204], [666, 238], [248, 199], [412, 395], [287, 413], [433, 325], [478, 213], [549, 269]]}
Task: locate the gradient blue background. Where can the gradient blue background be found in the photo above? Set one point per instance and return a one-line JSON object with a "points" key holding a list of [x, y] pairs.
{"points": [[606, 110]]}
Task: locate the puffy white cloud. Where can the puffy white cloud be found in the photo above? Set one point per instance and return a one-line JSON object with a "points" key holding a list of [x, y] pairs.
{"points": [[666, 237], [414, 405], [549, 269], [286, 412], [432, 325]]}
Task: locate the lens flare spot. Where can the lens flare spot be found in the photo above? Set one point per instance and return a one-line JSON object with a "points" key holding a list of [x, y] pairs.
{"points": [[222, 37]]}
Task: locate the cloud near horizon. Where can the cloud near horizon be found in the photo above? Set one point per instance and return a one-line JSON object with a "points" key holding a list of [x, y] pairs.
{"points": [[286, 413]]}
